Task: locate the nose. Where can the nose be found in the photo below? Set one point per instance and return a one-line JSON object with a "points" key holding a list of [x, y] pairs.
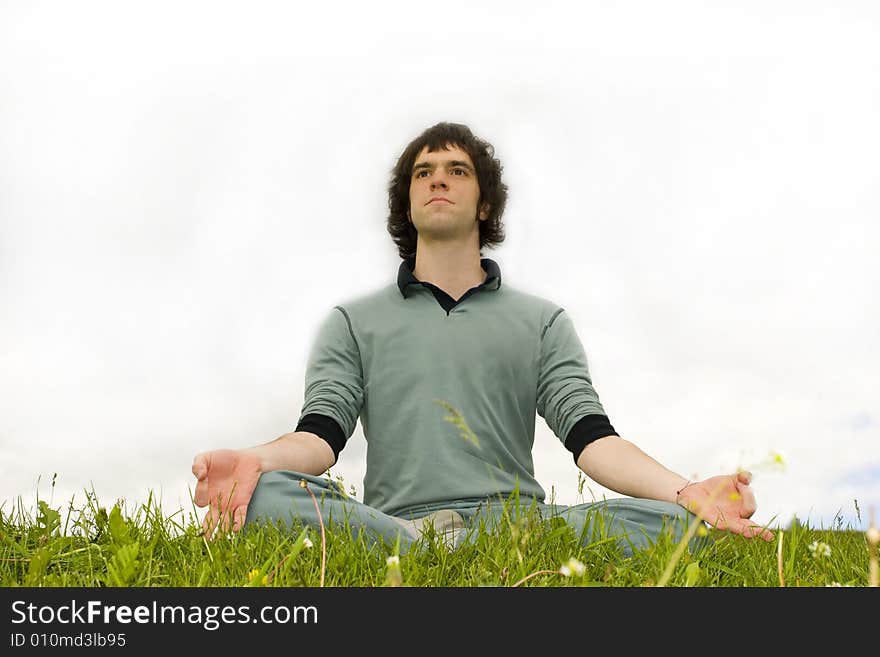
{"points": [[438, 180]]}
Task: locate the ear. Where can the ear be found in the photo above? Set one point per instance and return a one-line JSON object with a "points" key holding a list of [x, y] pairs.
{"points": [[484, 212]]}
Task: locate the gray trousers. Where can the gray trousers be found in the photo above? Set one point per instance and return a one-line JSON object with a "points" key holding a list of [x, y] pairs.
{"points": [[632, 523]]}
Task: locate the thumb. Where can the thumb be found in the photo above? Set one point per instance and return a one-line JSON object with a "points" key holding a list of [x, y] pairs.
{"points": [[200, 466]]}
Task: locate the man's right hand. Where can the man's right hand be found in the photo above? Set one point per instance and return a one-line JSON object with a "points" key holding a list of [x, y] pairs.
{"points": [[226, 481]]}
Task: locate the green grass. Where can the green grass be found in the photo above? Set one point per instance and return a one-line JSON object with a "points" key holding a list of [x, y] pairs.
{"points": [[93, 546]]}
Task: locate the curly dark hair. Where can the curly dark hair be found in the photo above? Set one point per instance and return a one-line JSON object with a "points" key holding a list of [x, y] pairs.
{"points": [[492, 190]]}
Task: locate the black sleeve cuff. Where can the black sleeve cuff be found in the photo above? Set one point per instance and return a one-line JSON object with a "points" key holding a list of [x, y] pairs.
{"points": [[588, 428], [324, 427]]}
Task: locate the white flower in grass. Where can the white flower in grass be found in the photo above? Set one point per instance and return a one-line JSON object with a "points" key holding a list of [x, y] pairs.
{"points": [[393, 575], [819, 549], [307, 543], [572, 567]]}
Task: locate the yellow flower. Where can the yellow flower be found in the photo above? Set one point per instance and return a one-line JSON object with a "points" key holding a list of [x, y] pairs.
{"points": [[774, 461], [254, 573]]}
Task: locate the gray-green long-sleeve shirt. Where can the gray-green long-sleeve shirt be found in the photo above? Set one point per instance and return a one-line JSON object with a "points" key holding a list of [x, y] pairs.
{"points": [[396, 357]]}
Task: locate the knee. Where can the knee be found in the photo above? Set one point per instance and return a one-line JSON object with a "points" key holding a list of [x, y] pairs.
{"points": [[647, 511], [279, 482], [658, 515], [674, 516], [676, 512], [679, 521], [274, 497]]}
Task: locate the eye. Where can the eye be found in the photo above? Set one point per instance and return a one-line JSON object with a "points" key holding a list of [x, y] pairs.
{"points": [[419, 173], [462, 171]]}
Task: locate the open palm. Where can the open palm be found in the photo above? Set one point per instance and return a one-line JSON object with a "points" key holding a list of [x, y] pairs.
{"points": [[226, 481], [725, 502]]}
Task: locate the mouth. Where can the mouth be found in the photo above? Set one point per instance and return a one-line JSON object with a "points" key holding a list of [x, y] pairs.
{"points": [[438, 200]]}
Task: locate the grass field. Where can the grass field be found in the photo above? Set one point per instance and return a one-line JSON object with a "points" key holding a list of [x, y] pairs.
{"points": [[93, 545]]}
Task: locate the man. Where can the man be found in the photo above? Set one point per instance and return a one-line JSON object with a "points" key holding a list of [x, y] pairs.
{"points": [[448, 337]]}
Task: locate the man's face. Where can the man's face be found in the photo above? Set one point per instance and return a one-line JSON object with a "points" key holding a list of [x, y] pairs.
{"points": [[443, 193]]}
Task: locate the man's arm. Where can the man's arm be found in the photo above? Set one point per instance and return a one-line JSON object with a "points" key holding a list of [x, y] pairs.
{"points": [[621, 466], [302, 451], [724, 501], [227, 477]]}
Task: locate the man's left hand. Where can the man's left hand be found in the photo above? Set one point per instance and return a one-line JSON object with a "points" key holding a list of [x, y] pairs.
{"points": [[725, 502]]}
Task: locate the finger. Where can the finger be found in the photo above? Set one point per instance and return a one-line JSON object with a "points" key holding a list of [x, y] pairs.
{"points": [[214, 516], [760, 532], [240, 516], [749, 506], [206, 524], [749, 530], [201, 495], [756, 531], [225, 517], [200, 466], [224, 520], [744, 477], [721, 523], [209, 522]]}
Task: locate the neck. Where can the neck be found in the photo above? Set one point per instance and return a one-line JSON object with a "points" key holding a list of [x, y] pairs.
{"points": [[450, 267]]}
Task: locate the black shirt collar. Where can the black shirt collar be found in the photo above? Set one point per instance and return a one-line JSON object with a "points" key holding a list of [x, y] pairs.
{"points": [[405, 275]]}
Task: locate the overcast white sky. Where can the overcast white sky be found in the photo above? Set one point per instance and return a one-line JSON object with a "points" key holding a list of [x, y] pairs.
{"points": [[187, 188]]}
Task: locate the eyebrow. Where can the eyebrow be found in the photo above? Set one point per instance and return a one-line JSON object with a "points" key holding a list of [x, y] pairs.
{"points": [[452, 163]]}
